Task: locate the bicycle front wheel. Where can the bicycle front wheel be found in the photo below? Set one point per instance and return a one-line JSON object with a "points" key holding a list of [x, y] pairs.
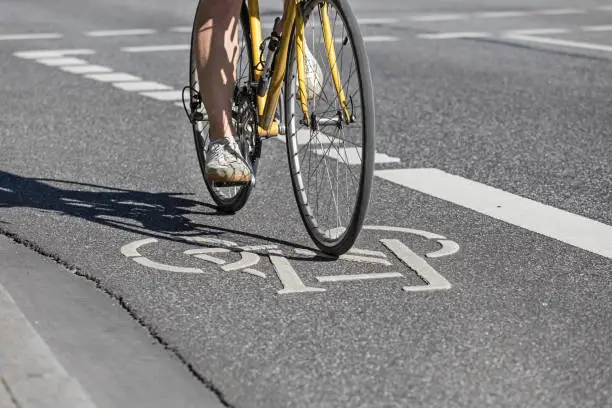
{"points": [[330, 127]]}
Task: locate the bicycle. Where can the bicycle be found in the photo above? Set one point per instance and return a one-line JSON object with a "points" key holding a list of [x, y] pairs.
{"points": [[328, 126]]}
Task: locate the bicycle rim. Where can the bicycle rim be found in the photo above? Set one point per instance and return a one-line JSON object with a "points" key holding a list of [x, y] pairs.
{"points": [[331, 166], [227, 198]]}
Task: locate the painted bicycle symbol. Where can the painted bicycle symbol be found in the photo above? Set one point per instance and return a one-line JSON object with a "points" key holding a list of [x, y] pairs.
{"points": [[215, 252]]}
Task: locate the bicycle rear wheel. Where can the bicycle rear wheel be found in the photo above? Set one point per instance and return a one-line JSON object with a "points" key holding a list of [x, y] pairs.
{"points": [[331, 159], [229, 198]]}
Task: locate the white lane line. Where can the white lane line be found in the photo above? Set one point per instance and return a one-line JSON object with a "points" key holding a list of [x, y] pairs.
{"points": [[138, 86], [120, 33], [35, 54], [56, 62], [164, 95], [29, 367], [113, 77], [40, 36], [560, 12], [379, 38], [500, 14], [605, 8], [598, 28], [457, 35], [365, 276], [156, 48], [375, 21], [181, 29], [438, 17], [562, 43], [86, 69], [536, 31], [581, 232]]}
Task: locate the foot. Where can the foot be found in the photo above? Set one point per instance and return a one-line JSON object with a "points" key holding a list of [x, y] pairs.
{"points": [[225, 164]]}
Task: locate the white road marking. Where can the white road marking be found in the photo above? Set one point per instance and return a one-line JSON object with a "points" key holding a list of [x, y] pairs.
{"points": [[364, 259], [560, 12], [563, 43], [352, 155], [131, 251], [598, 28], [379, 38], [35, 54], [113, 77], [247, 259], [87, 69], [536, 31], [120, 33], [61, 61], [164, 95], [359, 277], [605, 8], [367, 252], [255, 272], [33, 36], [500, 14], [457, 35], [141, 86], [289, 277], [374, 21], [438, 17], [156, 48], [181, 29], [434, 280], [29, 368], [572, 229]]}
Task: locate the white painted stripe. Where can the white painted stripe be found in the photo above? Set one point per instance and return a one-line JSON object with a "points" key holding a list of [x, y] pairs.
{"points": [[543, 219], [605, 8], [41, 36], [500, 14], [365, 259], [458, 35], [379, 38], [164, 95], [438, 17], [375, 21], [35, 54], [560, 12], [120, 33], [181, 29], [141, 86], [536, 31], [598, 28], [56, 62], [113, 77], [29, 367], [367, 252], [563, 43], [87, 69], [156, 48], [365, 276]]}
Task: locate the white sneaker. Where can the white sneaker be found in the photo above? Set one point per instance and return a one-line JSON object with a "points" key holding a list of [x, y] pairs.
{"points": [[225, 164], [314, 75]]}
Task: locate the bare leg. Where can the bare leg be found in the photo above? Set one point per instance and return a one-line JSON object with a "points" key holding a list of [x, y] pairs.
{"points": [[217, 54]]}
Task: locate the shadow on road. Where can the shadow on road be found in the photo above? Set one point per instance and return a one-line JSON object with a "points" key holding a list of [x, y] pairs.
{"points": [[165, 215]]}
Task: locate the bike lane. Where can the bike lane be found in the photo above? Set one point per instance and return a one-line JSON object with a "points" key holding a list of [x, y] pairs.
{"points": [[516, 317]]}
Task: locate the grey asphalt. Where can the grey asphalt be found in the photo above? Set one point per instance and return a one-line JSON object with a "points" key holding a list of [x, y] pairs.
{"points": [[87, 168]]}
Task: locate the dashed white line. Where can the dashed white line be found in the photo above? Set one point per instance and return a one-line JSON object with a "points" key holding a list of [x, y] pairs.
{"points": [[120, 33], [156, 48], [560, 12], [561, 225], [438, 17], [364, 276], [113, 77], [141, 86], [33, 36], [61, 61], [457, 35], [536, 31], [164, 95], [598, 28], [34, 54], [86, 69], [563, 43], [500, 14]]}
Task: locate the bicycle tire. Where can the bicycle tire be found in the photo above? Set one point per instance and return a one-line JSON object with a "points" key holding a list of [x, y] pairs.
{"points": [[337, 240], [229, 199]]}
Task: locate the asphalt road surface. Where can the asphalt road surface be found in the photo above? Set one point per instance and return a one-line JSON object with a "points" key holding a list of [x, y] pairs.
{"points": [[489, 251]]}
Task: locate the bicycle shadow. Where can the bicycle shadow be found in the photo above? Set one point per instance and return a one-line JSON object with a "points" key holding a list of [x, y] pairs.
{"points": [[163, 215]]}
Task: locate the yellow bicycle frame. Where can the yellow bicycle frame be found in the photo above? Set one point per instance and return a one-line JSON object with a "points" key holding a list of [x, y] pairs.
{"points": [[292, 15]]}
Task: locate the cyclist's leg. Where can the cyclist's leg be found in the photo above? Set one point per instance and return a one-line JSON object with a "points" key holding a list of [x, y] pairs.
{"points": [[217, 53]]}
